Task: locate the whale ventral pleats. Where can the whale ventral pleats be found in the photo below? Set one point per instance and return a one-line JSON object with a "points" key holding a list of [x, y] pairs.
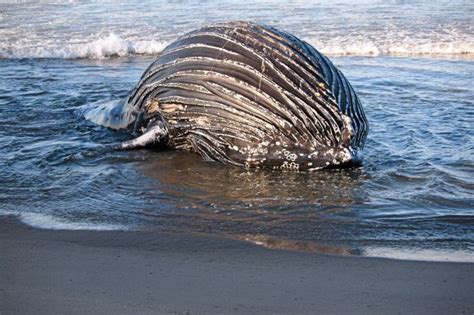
{"points": [[251, 95]]}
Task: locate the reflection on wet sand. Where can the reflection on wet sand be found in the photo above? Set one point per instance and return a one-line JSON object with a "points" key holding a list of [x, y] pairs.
{"points": [[265, 207], [275, 243]]}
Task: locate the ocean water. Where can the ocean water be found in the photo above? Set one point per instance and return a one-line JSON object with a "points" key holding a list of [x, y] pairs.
{"points": [[411, 63]]}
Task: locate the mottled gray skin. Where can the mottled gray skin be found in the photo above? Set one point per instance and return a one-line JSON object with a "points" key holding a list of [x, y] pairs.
{"points": [[249, 95]]}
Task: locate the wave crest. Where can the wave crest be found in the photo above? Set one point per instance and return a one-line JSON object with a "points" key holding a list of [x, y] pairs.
{"points": [[109, 46], [406, 47], [114, 45]]}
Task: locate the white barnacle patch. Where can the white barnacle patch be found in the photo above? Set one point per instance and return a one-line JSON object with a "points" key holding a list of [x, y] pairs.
{"points": [[345, 155], [294, 166], [347, 122], [254, 151], [348, 130], [234, 147], [290, 165], [291, 157], [329, 152]]}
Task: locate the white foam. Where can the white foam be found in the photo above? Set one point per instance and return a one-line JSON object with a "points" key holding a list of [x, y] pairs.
{"points": [[111, 114], [421, 254], [44, 221], [347, 27], [361, 46], [103, 47]]}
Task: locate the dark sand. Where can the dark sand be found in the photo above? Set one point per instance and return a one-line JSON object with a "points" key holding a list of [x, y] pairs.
{"points": [[85, 272]]}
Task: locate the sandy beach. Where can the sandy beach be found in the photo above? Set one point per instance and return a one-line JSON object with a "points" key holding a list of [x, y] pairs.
{"points": [[88, 272]]}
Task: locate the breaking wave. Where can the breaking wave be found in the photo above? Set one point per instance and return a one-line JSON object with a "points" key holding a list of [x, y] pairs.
{"points": [[114, 45], [48, 222], [369, 47]]}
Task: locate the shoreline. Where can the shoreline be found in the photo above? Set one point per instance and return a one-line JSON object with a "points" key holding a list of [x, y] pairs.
{"points": [[47, 222], [123, 272]]}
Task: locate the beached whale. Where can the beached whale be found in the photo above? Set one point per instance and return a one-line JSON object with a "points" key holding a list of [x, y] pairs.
{"points": [[249, 95]]}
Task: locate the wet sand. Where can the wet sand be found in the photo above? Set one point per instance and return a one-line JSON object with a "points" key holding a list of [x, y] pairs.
{"points": [[89, 272]]}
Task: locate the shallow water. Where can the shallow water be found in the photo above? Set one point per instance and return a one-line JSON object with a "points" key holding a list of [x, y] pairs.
{"points": [[414, 192]]}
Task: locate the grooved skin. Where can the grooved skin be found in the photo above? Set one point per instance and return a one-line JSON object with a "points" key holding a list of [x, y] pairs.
{"points": [[248, 94]]}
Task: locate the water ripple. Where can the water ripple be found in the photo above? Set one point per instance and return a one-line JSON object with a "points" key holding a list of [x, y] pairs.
{"points": [[414, 190]]}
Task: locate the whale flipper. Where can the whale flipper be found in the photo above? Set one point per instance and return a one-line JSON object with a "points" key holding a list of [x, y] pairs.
{"points": [[155, 135]]}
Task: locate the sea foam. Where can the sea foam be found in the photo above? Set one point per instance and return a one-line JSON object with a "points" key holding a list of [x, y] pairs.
{"points": [[366, 46], [45, 221], [112, 45], [112, 114]]}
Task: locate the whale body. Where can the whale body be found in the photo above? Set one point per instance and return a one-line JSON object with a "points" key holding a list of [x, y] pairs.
{"points": [[250, 95]]}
